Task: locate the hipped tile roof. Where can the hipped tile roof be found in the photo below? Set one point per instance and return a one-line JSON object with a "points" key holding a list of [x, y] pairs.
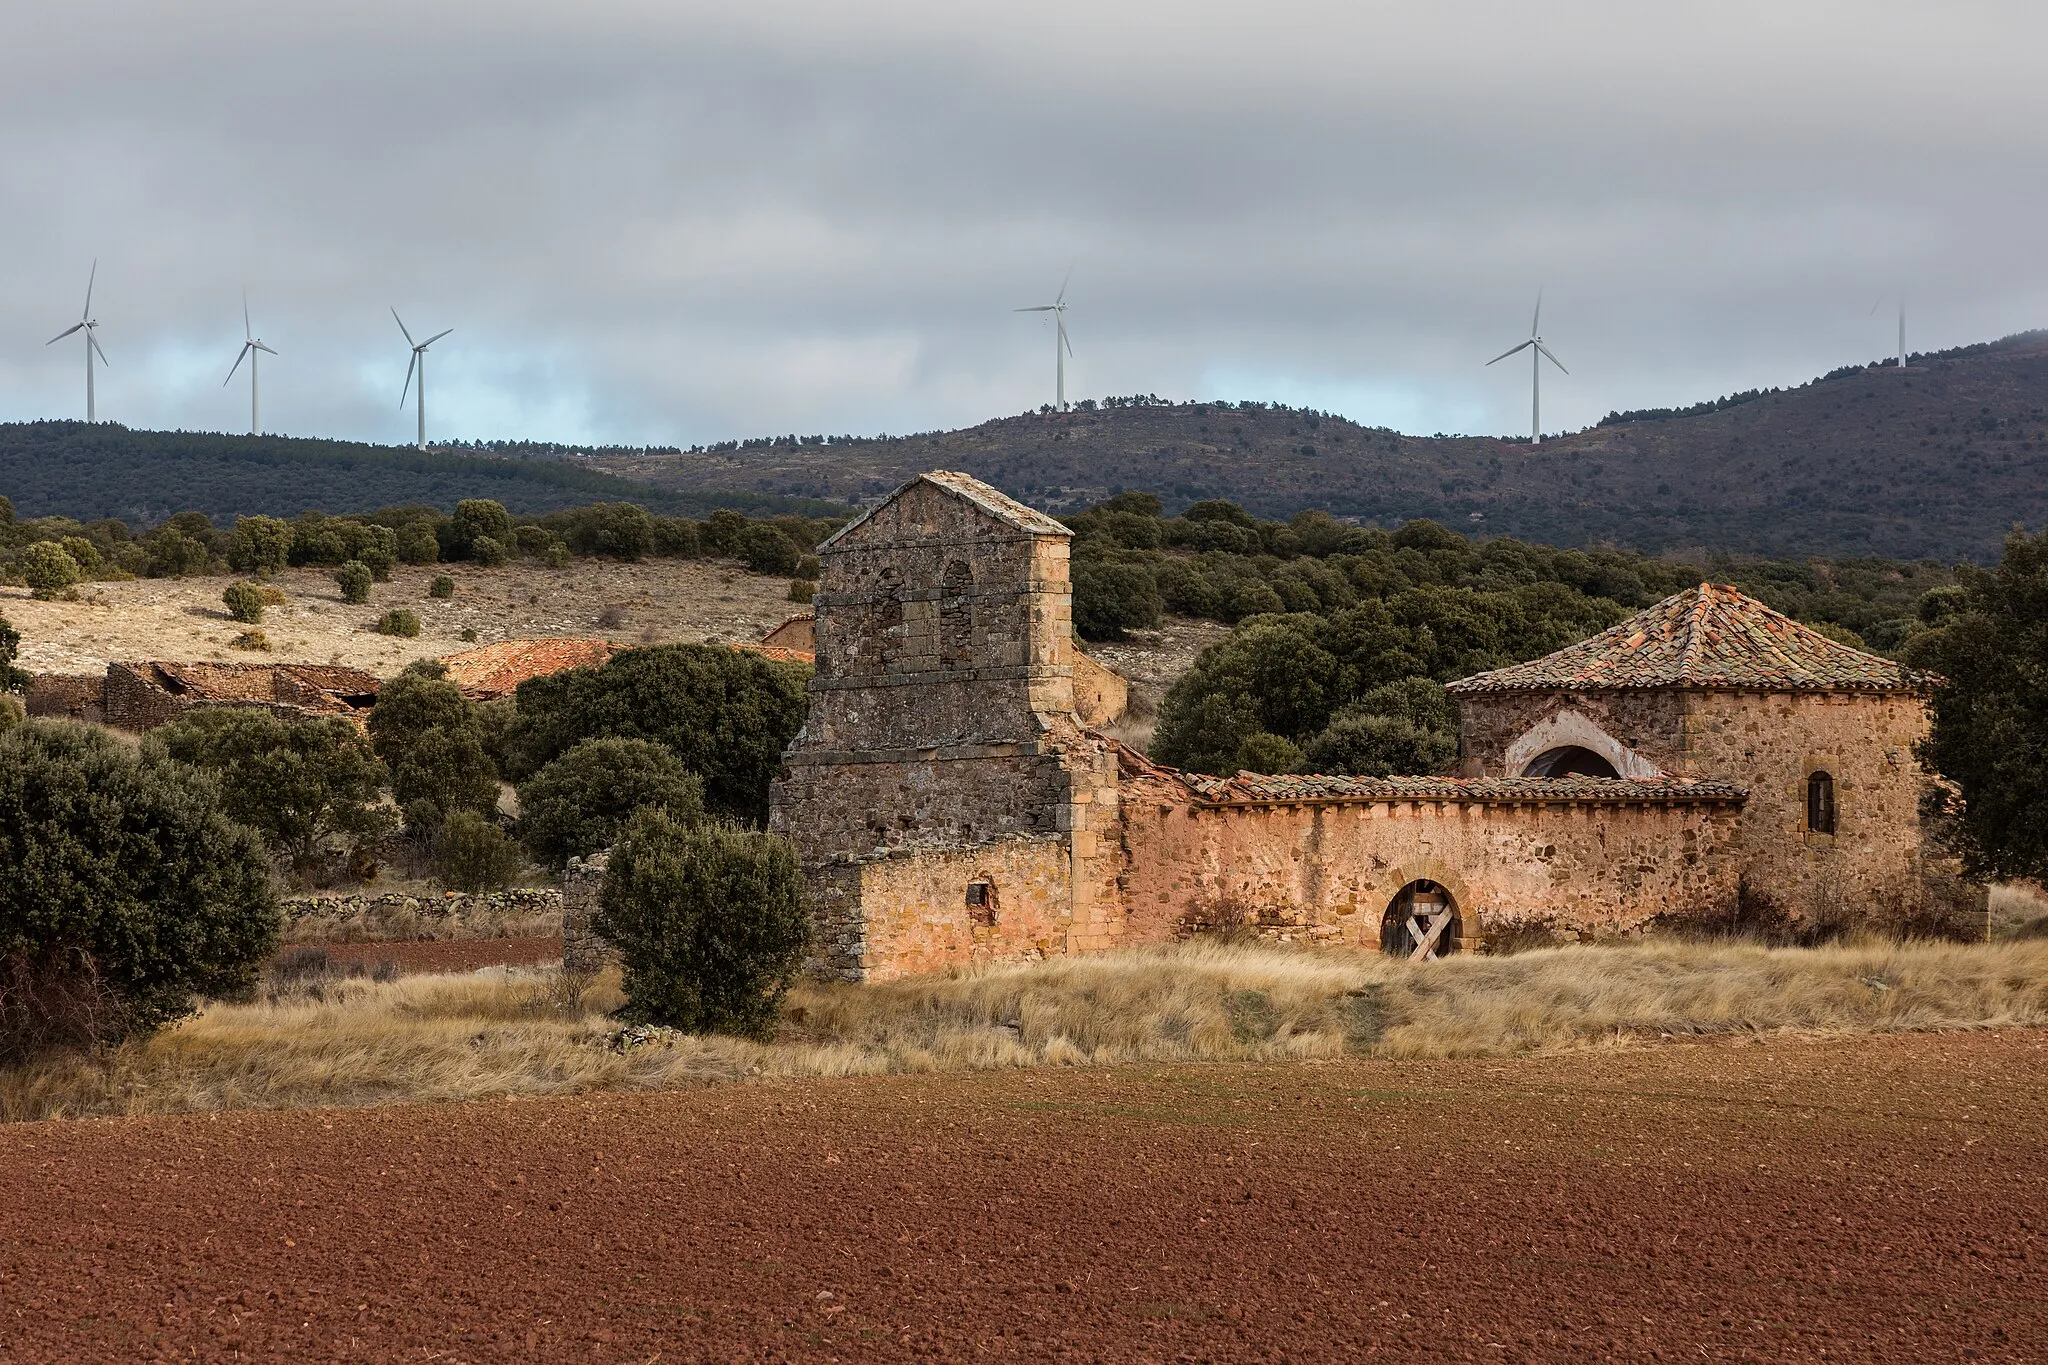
{"points": [[1710, 637], [993, 501]]}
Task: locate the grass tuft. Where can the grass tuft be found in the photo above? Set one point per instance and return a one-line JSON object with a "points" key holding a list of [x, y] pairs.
{"points": [[503, 1031]]}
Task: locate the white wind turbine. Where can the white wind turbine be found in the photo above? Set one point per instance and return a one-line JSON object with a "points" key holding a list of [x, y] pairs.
{"points": [[1538, 353], [87, 324], [1902, 326], [251, 344], [419, 358], [1061, 347]]}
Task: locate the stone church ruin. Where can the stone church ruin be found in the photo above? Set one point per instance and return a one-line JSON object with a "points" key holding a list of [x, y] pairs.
{"points": [[950, 806]]}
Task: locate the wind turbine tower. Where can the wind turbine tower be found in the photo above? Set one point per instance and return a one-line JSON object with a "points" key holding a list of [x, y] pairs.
{"points": [[251, 344], [419, 358], [1061, 347], [88, 325], [1538, 353]]}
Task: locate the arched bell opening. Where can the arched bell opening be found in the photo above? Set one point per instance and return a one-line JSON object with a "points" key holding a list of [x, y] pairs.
{"points": [[1421, 923], [1569, 760]]}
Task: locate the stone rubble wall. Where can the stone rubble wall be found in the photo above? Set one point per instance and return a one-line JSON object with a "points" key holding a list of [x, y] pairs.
{"points": [[582, 884], [532, 900]]}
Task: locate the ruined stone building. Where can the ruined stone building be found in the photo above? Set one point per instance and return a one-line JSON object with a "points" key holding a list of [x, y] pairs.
{"points": [[142, 696], [949, 805]]}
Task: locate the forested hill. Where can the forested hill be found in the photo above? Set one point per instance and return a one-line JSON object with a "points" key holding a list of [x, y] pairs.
{"points": [[89, 472], [1939, 460]]}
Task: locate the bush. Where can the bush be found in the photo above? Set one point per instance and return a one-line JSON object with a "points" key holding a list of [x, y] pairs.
{"points": [[1990, 730], [1110, 599], [725, 713], [12, 712], [676, 538], [1408, 727], [354, 580], [170, 553], [488, 551], [531, 540], [417, 543], [244, 602], [709, 922], [298, 781], [556, 556], [46, 568], [432, 742], [83, 553], [260, 545], [12, 679], [253, 638], [125, 890], [398, 621], [577, 804], [621, 529], [472, 854], [802, 590], [479, 519], [766, 550], [442, 587]]}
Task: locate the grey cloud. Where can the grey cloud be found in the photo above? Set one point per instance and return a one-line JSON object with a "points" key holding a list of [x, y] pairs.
{"points": [[656, 222]]}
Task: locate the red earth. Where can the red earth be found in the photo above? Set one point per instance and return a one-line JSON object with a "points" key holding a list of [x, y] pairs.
{"points": [[444, 955], [1872, 1199]]}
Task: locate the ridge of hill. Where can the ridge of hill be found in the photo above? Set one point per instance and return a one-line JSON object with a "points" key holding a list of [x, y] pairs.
{"points": [[107, 470], [1936, 460]]}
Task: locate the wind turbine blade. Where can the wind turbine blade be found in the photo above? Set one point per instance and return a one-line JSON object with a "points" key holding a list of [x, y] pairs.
{"points": [[435, 337], [1063, 337], [261, 347], [1551, 358], [1061, 297], [65, 333], [88, 287], [94, 342], [401, 326], [408, 376], [1041, 308], [1510, 351], [247, 333], [237, 365], [1536, 322]]}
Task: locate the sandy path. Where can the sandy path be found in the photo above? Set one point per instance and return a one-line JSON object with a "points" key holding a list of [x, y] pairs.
{"points": [[1879, 1199]]}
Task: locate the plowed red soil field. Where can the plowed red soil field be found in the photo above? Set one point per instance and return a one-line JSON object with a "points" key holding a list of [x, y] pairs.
{"points": [[1879, 1199]]}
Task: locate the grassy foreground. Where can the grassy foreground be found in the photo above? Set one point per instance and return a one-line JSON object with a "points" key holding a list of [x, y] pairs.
{"points": [[512, 1031]]}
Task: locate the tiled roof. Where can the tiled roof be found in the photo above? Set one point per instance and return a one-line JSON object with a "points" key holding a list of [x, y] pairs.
{"points": [[496, 670], [1710, 636], [780, 653], [995, 502], [1246, 788]]}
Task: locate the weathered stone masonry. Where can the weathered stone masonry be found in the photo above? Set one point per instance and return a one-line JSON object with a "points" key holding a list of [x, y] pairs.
{"points": [[950, 807]]}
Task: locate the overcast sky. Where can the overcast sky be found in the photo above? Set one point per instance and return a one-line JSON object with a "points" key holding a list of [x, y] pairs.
{"points": [[669, 222]]}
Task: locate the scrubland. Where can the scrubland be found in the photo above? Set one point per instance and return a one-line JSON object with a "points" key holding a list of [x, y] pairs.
{"points": [[339, 1040]]}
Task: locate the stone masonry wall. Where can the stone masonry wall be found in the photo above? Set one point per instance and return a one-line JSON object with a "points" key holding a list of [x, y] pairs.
{"points": [[1326, 872], [1871, 867], [907, 912]]}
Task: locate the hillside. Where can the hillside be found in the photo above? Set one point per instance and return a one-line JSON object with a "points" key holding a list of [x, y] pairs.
{"points": [[1937, 460], [106, 470]]}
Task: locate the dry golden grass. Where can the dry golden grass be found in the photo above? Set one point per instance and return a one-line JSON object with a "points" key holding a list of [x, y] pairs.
{"points": [[532, 1032]]}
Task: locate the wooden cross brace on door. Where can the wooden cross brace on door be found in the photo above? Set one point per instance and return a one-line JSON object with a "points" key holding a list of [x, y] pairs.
{"points": [[1426, 928]]}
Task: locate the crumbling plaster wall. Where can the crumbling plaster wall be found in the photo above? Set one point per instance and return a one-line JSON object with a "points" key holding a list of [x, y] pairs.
{"points": [[1325, 872]]}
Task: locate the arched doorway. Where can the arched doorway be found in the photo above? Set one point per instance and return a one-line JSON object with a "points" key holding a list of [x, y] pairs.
{"points": [[1569, 760], [1421, 923]]}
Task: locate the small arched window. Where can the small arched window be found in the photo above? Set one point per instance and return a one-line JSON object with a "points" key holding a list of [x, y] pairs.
{"points": [[1820, 803]]}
